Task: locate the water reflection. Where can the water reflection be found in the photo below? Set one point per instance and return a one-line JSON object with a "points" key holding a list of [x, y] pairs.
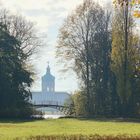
{"points": [[51, 113], [52, 116]]}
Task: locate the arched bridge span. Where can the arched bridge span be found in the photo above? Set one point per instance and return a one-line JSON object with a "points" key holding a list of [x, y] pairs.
{"points": [[66, 109]]}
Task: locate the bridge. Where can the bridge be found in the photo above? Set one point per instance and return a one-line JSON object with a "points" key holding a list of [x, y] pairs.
{"points": [[66, 109]]}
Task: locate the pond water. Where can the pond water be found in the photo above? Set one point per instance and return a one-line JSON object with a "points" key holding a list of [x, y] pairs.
{"points": [[51, 113], [46, 116]]}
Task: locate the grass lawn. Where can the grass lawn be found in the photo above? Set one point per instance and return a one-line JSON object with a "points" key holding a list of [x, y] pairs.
{"points": [[13, 129]]}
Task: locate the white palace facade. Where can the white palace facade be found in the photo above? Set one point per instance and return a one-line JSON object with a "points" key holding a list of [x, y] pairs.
{"points": [[48, 95]]}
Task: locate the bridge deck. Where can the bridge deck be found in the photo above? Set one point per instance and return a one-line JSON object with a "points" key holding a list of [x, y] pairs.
{"points": [[48, 104]]}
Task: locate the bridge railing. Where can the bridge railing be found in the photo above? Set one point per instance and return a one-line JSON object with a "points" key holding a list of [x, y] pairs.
{"points": [[46, 102]]}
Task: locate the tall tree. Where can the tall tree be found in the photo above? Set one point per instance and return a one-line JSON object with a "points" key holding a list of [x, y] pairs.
{"points": [[15, 76], [83, 41], [124, 55]]}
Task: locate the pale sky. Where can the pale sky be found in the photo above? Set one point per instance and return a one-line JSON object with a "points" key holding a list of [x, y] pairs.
{"points": [[48, 15]]}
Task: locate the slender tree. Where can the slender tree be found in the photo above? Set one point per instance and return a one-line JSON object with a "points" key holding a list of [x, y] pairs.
{"points": [[124, 55]]}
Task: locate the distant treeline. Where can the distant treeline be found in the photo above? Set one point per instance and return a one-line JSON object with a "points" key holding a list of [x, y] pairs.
{"points": [[103, 48]]}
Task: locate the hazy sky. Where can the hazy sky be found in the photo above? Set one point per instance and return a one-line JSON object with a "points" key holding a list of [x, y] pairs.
{"points": [[48, 15]]}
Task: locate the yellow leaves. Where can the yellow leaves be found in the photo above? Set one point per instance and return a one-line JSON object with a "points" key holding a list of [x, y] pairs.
{"points": [[114, 2], [136, 14], [120, 2], [135, 2], [132, 2], [136, 11]]}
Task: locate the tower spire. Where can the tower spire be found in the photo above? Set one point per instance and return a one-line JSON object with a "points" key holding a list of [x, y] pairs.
{"points": [[48, 68], [48, 81]]}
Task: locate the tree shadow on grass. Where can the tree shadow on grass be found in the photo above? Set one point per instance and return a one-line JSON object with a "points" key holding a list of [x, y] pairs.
{"points": [[129, 120], [19, 120], [103, 119]]}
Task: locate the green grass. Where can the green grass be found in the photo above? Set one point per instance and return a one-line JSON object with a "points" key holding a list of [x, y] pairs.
{"points": [[13, 129]]}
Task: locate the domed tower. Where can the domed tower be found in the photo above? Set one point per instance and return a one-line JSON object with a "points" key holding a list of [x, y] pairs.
{"points": [[48, 81]]}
